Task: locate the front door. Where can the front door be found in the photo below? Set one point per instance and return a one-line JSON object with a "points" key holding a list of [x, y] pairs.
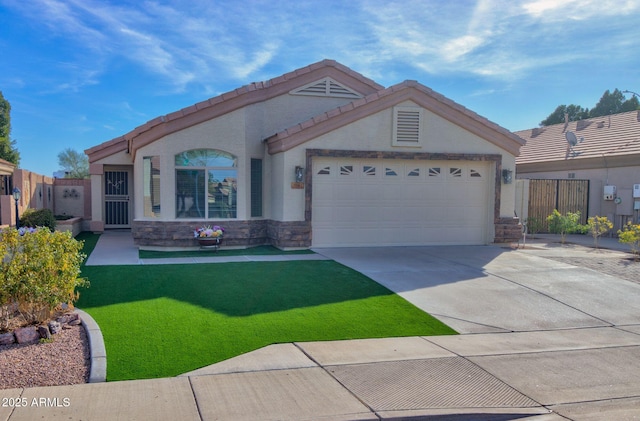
{"points": [[117, 204]]}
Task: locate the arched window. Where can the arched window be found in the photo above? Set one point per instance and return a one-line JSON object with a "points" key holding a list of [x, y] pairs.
{"points": [[206, 184]]}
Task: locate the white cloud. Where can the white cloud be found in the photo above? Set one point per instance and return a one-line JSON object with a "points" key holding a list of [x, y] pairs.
{"points": [[202, 44], [553, 10], [497, 39]]}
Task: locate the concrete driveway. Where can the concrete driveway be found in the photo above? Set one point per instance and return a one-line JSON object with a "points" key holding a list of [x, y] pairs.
{"points": [[483, 289], [559, 324]]}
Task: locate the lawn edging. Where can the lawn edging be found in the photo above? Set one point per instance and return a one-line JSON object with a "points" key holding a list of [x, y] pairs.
{"points": [[97, 350]]}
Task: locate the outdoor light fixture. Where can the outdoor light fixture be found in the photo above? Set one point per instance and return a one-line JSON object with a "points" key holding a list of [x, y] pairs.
{"points": [[299, 174], [16, 197], [507, 176]]}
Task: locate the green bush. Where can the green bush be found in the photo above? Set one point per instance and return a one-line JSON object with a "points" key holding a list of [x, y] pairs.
{"points": [[564, 224], [598, 225], [38, 218], [39, 271], [630, 234], [534, 225]]}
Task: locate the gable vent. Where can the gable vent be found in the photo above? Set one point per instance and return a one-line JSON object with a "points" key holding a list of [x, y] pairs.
{"points": [[407, 125], [326, 87]]}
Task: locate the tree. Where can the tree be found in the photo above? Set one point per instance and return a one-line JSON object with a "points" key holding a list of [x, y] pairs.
{"points": [[613, 103], [8, 150], [610, 103], [575, 113], [75, 163]]}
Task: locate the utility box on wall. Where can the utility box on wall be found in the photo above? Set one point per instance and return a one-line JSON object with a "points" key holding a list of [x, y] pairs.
{"points": [[609, 192], [636, 191]]}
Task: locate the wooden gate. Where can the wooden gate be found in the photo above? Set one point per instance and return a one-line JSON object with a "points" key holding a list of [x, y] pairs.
{"points": [[564, 195]]}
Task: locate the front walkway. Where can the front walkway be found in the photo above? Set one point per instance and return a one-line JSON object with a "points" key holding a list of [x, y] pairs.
{"points": [[117, 248]]}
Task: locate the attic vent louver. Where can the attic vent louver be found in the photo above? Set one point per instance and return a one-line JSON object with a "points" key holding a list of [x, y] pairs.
{"points": [[326, 87], [406, 125]]}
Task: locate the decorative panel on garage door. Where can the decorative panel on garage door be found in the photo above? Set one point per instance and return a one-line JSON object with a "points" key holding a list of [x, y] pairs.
{"points": [[361, 202]]}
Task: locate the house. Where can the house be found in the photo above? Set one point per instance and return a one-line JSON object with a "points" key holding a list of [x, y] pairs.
{"points": [[321, 156], [604, 152], [7, 216]]}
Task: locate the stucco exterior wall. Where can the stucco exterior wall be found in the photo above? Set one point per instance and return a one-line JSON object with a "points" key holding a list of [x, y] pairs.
{"points": [[375, 133], [285, 111], [226, 133], [622, 177], [72, 197]]}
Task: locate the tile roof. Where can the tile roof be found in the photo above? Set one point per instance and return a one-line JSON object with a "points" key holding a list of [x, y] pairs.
{"points": [[227, 102], [616, 135], [375, 96], [6, 167], [384, 98]]}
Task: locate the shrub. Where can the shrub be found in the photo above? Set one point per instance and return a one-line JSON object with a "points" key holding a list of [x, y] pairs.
{"points": [[534, 225], [39, 271], [598, 225], [38, 218], [564, 224], [630, 234]]}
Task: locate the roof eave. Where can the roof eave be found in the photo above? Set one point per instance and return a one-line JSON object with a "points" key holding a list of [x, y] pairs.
{"points": [[106, 149], [596, 162], [408, 90], [239, 98]]}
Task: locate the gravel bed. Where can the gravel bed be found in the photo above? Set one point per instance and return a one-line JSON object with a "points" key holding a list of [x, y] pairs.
{"points": [[64, 361], [624, 268]]}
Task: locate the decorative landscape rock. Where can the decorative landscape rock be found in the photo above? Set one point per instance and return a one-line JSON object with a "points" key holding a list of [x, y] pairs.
{"points": [[26, 335], [43, 331], [68, 318], [75, 322], [7, 338], [54, 327], [31, 334]]}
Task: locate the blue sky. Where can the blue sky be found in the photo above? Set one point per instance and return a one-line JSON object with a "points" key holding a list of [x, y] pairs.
{"points": [[81, 72]]}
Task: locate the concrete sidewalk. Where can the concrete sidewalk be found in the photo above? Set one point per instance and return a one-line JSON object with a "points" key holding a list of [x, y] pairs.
{"points": [[543, 376], [546, 340]]}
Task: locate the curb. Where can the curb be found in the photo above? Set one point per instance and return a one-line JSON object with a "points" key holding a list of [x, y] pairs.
{"points": [[98, 371]]}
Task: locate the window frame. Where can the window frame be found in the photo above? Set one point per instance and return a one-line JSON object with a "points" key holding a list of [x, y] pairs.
{"points": [[207, 171]]}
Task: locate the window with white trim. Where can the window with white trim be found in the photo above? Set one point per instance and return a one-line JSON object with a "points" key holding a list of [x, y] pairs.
{"points": [[407, 126], [206, 184]]}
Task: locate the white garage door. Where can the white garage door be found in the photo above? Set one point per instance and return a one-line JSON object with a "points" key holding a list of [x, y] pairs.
{"points": [[361, 202]]}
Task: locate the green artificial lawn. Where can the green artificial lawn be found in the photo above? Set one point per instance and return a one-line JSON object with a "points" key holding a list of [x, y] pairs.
{"points": [[252, 251], [165, 320], [89, 242]]}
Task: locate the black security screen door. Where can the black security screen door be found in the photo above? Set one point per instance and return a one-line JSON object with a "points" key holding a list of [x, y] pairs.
{"points": [[116, 199]]}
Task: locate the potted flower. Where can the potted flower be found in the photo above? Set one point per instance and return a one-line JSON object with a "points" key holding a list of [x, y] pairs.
{"points": [[208, 236]]}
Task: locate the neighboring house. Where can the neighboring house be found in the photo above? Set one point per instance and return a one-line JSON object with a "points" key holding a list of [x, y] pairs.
{"points": [[321, 156], [603, 150], [7, 214], [6, 170]]}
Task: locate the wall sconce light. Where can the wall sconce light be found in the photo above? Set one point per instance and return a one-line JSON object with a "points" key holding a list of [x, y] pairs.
{"points": [[507, 176], [299, 174]]}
